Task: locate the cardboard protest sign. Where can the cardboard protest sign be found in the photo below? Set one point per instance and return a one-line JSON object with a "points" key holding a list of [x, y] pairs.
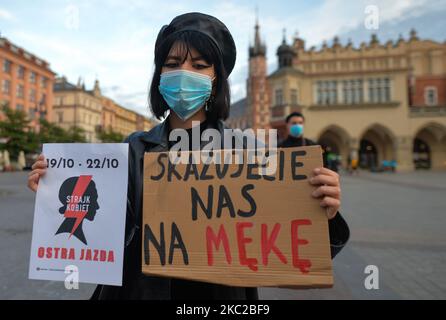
{"points": [[79, 217], [227, 224]]}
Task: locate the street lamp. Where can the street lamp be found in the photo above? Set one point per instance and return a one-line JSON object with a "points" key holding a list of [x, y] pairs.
{"points": [[40, 111]]}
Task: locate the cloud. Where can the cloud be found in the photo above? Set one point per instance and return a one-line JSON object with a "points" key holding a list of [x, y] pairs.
{"points": [[6, 15]]}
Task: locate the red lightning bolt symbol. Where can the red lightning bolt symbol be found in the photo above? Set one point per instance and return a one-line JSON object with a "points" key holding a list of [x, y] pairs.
{"points": [[79, 190]]}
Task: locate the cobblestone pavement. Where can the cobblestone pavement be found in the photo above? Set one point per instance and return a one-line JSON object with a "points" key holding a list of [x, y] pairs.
{"points": [[397, 222]]}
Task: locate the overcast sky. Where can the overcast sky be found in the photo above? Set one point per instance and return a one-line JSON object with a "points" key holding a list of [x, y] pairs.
{"points": [[113, 40]]}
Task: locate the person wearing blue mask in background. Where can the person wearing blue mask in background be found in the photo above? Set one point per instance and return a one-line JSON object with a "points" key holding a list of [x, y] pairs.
{"points": [[295, 123], [194, 56], [295, 127]]}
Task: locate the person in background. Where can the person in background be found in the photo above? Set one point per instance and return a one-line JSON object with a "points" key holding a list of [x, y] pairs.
{"points": [[295, 126], [332, 160], [354, 165], [393, 165]]}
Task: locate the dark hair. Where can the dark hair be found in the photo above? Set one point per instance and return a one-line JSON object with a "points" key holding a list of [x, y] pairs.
{"points": [[294, 114], [219, 104]]}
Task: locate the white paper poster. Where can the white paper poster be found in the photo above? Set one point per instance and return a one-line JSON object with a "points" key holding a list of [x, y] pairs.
{"points": [[79, 217]]}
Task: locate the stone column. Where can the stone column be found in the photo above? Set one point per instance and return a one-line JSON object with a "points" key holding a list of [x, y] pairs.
{"points": [[403, 153], [438, 155]]}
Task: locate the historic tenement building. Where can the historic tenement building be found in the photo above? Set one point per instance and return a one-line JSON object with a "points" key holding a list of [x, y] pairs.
{"points": [[377, 102], [91, 111], [26, 83]]}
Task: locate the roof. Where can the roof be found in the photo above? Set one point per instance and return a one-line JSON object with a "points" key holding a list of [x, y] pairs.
{"points": [[30, 57], [64, 86], [238, 109], [285, 70]]}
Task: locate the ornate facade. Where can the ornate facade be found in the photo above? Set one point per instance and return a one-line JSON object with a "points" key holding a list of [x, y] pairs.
{"points": [[91, 111], [377, 102]]}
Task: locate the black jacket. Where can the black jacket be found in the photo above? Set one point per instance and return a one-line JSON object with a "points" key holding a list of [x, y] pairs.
{"points": [[135, 284], [291, 141]]}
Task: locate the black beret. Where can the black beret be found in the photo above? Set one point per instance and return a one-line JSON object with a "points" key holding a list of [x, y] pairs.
{"points": [[207, 25]]}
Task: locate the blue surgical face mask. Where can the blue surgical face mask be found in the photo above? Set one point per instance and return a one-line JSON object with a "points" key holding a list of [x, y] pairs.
{"points": [[185, 92], [296, 130]]}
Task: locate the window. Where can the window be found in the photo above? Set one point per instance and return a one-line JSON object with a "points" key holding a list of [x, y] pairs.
{"points": [[19, 107], [348, 92], [43, 82], [353, 91], [6, 86], [379, 90], [358, 91], [20, 91], [43, 99], [320, 93], [372, 96], [21, 72], [430, 96], [387, 97], [327, 92], [332, 92], [279, 97], [60, 117], [32, 95], [6, 66], [14, 49], [32, 77], [294, 96]]}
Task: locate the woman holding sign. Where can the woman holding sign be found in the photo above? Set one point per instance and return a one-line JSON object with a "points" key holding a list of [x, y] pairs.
{"points": [[194, 56]]}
